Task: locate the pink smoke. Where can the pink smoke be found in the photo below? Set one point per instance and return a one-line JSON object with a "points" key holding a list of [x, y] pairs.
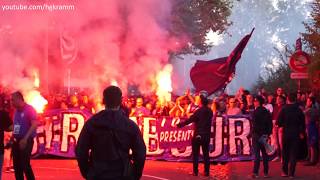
{"points": [[115, 40]]}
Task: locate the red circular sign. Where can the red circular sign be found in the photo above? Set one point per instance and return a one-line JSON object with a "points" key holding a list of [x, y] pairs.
{"points": [[299, 62]]}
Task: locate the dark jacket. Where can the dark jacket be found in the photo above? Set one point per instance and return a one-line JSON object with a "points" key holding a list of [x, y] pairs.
{"points": [[202, 119], [292, 119], [261, 121], [98, 136], [276, 111], [5, 122]]}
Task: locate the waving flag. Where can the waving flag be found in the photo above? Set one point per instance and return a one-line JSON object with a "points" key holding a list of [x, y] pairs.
{"points": [[68, 47], [214, 75]]}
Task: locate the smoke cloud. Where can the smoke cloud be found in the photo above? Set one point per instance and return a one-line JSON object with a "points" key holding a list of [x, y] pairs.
{"points": [[95, 43]]}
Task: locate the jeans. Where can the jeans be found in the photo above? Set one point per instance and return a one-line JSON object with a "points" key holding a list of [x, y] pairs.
{"points": [[204, 142], [21, 160], [257, 147], [290, 152]]}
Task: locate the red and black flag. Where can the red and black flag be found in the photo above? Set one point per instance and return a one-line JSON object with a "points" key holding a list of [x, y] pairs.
{"points": [[214, 75], [298, 45]]}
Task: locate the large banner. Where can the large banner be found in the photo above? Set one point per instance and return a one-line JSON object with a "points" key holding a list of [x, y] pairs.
{"points": [[58, 132], [230, 136]]}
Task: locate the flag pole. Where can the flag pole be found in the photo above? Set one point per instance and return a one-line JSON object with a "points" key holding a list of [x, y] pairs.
{"points": [[46, 58], [69, 80], [252, 31]]}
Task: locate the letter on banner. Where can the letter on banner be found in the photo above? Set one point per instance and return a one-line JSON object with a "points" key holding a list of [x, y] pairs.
{"points": [[217, 141], [48, 130], [186, 152], [134, 119], [150, 136], [44, 135], [71, 130], [56, 128], [35, 140], [235, 137]]}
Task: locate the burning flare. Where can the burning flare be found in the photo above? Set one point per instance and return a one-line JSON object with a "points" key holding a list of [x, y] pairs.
{"points": [[114, 82], [164, 84], [35, 99], [36, 81]]}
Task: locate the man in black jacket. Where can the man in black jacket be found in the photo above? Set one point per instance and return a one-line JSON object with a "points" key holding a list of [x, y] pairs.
{"points": [[292, 119], [105, 140], [5, 123], [261, 128], [202, 119]]}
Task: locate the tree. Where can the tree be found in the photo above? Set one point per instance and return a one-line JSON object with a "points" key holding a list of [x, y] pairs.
{"points": [[191, 20], [312, 38], [277, 75]]}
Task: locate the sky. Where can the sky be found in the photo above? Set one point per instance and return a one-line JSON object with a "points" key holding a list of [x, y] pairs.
{"points": [[277, 23]]}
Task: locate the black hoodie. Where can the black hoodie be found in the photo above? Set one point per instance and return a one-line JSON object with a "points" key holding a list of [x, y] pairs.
{"points": [[292, 119], [98, 153], [5, 122], [261, 121], [202, 119]]}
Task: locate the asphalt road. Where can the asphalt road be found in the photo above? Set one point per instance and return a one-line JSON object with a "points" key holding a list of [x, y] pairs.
{"points": [[48, 169]]}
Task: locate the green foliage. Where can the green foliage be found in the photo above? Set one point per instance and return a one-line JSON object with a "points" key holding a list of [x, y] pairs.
{"points": [[280, 77], [312, 37], [193, 19]]}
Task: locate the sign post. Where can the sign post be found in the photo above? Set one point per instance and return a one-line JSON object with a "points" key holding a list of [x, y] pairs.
{"points": [[298, 63], [316, 79]]}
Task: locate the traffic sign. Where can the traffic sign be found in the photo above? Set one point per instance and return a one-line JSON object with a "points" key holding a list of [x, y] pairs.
{"points": [[299, 62], [299, 76]]}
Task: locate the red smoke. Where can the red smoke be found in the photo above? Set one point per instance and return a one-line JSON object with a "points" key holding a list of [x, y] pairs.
{"points": [[102, 41]]}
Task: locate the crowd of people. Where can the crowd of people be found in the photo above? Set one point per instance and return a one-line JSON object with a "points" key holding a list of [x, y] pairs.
{"points": [[243, 102], [180, 106]]}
